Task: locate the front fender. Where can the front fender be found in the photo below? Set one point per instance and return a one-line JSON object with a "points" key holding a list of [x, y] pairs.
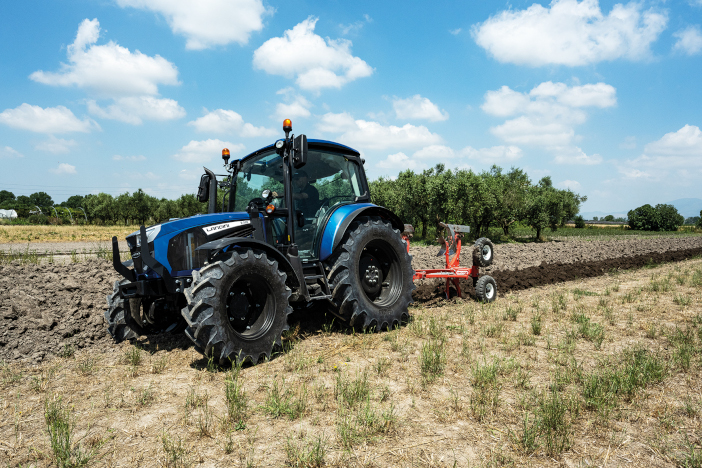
{"points": [[271, 251], [341, 219]]}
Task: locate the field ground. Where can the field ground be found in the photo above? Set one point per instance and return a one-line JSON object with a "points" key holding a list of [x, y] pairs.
{"points": [[36, 235], [596, 372], [19, 234]]}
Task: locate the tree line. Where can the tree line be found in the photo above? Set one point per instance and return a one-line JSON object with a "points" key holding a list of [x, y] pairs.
{"points": [[493, 198], [102, 208]]}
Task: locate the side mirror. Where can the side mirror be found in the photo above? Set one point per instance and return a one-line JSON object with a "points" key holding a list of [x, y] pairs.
{"points": [[203, 190], [300, 151]]}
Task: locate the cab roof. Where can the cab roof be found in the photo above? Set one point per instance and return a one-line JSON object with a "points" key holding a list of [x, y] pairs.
{"points": [[312, 144]]}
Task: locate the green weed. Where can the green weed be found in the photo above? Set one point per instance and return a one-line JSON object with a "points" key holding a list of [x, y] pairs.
{"points": [[432, 360]]}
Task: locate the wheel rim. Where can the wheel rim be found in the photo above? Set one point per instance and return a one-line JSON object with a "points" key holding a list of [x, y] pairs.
{"points": [[380, 273], [489, 291], [487, 252], [250, 307]]}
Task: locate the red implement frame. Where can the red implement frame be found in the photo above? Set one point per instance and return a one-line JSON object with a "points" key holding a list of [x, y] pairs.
{"points": [[453, 271]]}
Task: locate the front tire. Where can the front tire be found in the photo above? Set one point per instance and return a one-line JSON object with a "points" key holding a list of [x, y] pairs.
{"points": [[371, 275], [237, 308], [115, 315]]}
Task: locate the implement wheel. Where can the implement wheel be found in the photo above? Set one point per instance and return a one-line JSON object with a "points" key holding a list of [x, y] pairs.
{"points": [[483, 252], [371, 275], [486, 289], [237, 308]]}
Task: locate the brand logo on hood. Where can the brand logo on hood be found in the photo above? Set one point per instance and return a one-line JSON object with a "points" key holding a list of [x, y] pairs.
{"points": [[209, 230]]}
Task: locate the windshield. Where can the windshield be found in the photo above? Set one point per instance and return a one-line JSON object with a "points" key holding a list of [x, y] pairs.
{"points": [[256, 175]]}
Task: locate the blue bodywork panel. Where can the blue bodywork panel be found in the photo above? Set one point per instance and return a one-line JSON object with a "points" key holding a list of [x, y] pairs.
{"points": [[173, 228], [334, 224], [311, 143]]}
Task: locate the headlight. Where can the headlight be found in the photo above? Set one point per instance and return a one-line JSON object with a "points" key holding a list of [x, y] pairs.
{"points": [[279, 144]]}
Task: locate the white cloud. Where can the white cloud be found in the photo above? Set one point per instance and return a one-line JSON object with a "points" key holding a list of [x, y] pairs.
{"points": [[203, 151], [685, 142], [64, 168], [133, 109], [228, 121], [208, 23], [347, 29], [689, 40], [494, 154], [570, 185], [109, 70], [418, 108], [55, 145], [531, 131], [8, 152], [552, 100], [546, 116], [678, 153], [435, 152], [294, 106], [373, 135], [570, 33], [315, 62], [456, 31], [46, 120], [574, 155], [137, 158], [399, 161]]}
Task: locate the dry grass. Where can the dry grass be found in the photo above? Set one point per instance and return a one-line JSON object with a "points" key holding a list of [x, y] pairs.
{"points": [[600, 372], [23, 234]]}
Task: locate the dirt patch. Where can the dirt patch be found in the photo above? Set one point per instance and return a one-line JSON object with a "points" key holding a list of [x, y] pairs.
{"points": [[551, 273], [48, 309], [519, 256]]}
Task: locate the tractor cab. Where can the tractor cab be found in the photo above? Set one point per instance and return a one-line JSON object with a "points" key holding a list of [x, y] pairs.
{"points": [[332, 176]]}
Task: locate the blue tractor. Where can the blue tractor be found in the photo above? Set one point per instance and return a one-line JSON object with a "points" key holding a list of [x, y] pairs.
{"points": [[296, 225]]}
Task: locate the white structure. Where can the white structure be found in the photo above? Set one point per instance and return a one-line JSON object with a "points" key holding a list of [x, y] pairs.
{"points": [[9, 214]]}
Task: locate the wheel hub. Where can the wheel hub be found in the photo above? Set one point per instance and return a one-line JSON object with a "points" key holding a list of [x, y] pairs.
{"points": [[238, 307], [371, 275]]}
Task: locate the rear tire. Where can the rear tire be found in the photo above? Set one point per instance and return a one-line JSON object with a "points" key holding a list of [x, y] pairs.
{"points": [[483, 252], [486, 289], [371, 275], [237, 308]]}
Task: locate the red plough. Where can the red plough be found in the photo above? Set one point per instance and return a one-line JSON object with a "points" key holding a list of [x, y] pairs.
{"points": [[485, 287]]}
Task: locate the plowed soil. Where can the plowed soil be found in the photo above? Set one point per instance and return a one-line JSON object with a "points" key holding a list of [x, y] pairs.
{"points": [[49, 309]]}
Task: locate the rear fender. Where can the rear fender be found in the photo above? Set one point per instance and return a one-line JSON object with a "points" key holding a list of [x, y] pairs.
{"points": [[342, 218], [272, 252]]}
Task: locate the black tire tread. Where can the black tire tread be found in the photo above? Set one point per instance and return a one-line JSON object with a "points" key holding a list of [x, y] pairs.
{"points": [[478, 258], [480, 285], [205, 326], [114, 315], [345, 294]]}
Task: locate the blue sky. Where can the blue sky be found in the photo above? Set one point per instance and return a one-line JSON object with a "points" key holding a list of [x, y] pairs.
{"points": [[115, 95]]}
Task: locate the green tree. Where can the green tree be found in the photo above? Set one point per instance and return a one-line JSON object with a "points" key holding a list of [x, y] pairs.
{"points": [[510, 192], [668, 218], [579, 222], [6, 196], [699, 221], [644, 218], [74, 201], [101, 206], [41, 199], [140, 205], [609, 218]]}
